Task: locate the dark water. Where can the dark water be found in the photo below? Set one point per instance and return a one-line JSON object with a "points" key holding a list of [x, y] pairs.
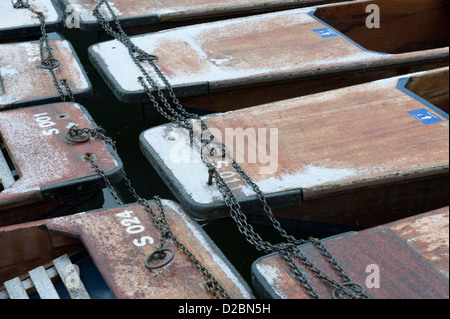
{"points": [[124, 123]]}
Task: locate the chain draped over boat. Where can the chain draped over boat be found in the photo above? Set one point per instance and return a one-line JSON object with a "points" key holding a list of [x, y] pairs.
{"points": [[182, 118], [48, 61], [158, 258]]}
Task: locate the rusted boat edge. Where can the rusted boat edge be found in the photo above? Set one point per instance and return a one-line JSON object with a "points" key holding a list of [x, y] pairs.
{"points": [[401, 85], [81, 96], [89, 183], [34, 29], [215, 210]]}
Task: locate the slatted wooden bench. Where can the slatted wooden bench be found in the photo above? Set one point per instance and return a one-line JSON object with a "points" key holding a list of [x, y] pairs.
{"points": [[41, 281]]}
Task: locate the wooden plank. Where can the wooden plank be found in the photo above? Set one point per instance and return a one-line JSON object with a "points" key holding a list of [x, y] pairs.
{"points": [[353, 142], [25, 83], [261, 51], [172, 13], [70, 278], [6, 176], [15, 289], [21, 22], [406, 269], [43, 284], [31, 134]]}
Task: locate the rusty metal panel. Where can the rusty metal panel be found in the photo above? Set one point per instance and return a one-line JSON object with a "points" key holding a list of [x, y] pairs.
{"points": [[49, 167], [404, 272], [25, 83], [358, 142], [270, 56], [119, 240], [16, 23]]}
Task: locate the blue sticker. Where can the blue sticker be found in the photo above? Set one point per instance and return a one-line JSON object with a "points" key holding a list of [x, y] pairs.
{"points": [[425, 116], [325, 33]]}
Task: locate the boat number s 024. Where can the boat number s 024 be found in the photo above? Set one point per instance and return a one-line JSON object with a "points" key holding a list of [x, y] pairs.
{"points": [[133, 226]]}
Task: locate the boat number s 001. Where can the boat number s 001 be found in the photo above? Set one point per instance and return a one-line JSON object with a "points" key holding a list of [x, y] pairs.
{"points": [[133, 226], [44, 121]]}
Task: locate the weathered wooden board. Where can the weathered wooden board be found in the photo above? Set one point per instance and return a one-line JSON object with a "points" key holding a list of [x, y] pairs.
{"points": [[170, 13], [23, 82], [243, 62], [119, 240], [17, 23], [341, 156], [49, 167], [410, 256]]}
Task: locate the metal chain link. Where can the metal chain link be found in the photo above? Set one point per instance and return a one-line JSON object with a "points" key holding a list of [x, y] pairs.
{"points": [[48, 61], [76, 135], [348, 289]]}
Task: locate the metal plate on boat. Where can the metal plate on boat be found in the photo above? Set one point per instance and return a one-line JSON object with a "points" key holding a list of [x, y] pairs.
{"points": [[341, 156], [119, 241], [253, 60], [17, 23], [47, 167], [24, 83], [406, 259]]}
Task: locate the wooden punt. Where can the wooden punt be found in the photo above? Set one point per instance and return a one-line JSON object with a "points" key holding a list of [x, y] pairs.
{"points": [[362, 156], [20, 23], [118, 242], [156, 15], [405, 259], [236, 63], [40, 170], [23, 82]]}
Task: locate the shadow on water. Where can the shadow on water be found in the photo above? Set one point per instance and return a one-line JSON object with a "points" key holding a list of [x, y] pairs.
{"points": [[124, 123]]}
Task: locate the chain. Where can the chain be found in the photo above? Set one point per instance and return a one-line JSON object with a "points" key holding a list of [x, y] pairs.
{"points": [[48, 61], [182, 118], [76, 135]]}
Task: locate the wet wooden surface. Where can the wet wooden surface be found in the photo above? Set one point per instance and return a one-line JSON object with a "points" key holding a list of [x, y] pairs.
{"points": [[411, 256], [49, 167], [235, 56], [119, 241], [23, 82], [347, 141]]}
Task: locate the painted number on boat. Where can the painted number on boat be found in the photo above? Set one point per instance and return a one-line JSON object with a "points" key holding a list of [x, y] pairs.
{"points": [[425, 116], [33, 52], [134, 226], [44, 121], [325, 33]]}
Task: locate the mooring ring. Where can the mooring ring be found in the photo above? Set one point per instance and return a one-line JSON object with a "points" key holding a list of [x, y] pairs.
{"points": [[18, 4], [77, 138], [350, 283], [164, 263], [50, 63]]}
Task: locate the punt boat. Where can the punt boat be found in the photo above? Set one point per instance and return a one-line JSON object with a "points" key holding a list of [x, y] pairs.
{"points": [[236, 63], [41, 171], [24, 82], [156, 15], [405, 259], [111, 250], [355, 156], [21, 23]]}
